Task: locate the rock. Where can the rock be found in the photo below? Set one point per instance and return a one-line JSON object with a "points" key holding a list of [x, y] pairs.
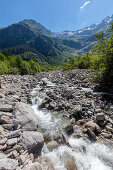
{"points": [[52, 106], [52, 145], [21, 159], [33, 142], [110, 129], [91, 133], [3, 147], [8, 126], [13, 134], [93, 126], [46, 163], [98, 110], [100, 116], [68, 94], [4, 119], [26, 116], [69, 128], [12, 141], [69, 162], [6, 108], [3, 141], [33, 166], [106, 135], [8, 164]]}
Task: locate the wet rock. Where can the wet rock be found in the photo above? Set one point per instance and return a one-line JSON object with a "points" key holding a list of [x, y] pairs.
{"points": [[26, 116], [4, 119], [8, 164], [69, 128], [46, 163], [106, 135], [32, 141], [69, 162], [52, 145]]}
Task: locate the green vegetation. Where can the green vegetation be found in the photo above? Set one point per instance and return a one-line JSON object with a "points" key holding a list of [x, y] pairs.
{"points": [[15, 65], [100, 58]]}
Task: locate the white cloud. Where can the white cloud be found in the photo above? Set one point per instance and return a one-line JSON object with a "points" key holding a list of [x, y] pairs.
{"points": [[85, 4]]}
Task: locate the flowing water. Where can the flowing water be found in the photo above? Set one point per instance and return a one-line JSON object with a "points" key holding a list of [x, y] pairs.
{"points": [[95, 156]]}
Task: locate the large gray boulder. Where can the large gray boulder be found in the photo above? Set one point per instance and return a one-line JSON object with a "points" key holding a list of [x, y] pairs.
{"points": [[8, 164], [33, 142], [26, 116]]}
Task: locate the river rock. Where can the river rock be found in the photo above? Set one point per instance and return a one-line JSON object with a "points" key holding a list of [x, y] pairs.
{"points": [[69, 162], [12, 141], [32, 141], [6, 108], [13, 134], [33, 166], [26, 116], [93, 126], [8, 164], [46, 163], [52, 145], [100, 116]]}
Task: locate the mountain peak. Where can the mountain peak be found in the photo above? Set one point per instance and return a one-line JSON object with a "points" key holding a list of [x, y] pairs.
{"points": [[36, 27]]}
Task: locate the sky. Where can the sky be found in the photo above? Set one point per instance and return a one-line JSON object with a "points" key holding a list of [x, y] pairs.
{"points": [[56, 15]]}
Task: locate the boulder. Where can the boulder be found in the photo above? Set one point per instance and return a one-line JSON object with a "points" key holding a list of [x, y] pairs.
{"points": [[8, 164], [26, 116], [32, 141], [93, 126]]}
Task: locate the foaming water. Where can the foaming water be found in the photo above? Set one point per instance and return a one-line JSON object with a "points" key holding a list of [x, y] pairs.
{"points": [[87, 155]]}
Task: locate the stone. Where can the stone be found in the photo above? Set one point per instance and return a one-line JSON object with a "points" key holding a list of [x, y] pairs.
{"points": [[4, 119], [91, 133], [93, 126], [69, 162], [33, 166], [52, 145], [98, 110], [3, 147], [3, 141], [106, 135], [21, 159], [100, 116], [110, 129], [46, 163], [8, 164], [68, 128], [12, 141], [26, 116], [33, 142], [8, 126], [6, 108], [13, 134]]}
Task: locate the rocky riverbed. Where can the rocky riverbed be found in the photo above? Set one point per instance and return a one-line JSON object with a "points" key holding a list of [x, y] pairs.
{"points": [[67, 96]]}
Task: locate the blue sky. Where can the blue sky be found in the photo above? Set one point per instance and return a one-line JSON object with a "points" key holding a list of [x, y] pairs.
{"points": [[56, 15]]}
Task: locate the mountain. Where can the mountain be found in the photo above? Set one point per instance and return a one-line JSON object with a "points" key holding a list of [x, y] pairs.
{"points": [[86, 36], [36, 27], [33, 41]]}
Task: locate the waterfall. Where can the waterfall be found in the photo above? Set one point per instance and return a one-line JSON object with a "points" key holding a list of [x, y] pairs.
{"points": [[87, 155]]}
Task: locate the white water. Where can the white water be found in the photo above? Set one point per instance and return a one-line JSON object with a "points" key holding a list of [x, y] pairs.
{"points": [[95, 157]]}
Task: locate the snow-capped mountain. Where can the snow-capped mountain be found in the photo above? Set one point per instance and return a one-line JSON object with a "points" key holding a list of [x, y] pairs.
{"points": [[88, 31]]}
